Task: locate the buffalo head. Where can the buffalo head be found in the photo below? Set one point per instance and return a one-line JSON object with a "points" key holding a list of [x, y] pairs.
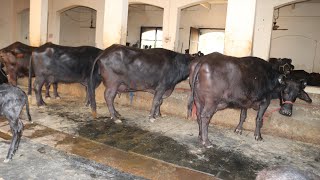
{"points": [[290, 91]]}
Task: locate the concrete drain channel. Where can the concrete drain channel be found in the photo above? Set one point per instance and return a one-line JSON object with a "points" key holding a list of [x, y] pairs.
{"points": [[129, 162]]}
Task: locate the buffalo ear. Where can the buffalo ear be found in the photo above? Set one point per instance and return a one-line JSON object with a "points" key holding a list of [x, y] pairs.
{"points": [[281, 79], [304, 96]]}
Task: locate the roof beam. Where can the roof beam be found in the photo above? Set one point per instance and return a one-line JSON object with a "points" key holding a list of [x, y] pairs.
{"points": [[206, 5], [218, 1]]}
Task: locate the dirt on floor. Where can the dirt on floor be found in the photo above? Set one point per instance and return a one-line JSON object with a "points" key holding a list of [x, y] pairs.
{"points": [[174, 140]]}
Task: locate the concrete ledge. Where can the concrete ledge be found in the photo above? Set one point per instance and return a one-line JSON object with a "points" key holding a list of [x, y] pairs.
{"points": [[303, 125]]}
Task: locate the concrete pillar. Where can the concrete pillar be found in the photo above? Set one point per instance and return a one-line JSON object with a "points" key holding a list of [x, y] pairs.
{"points": [[239, 27], [263, 29], [38, 22], [99, 29], [115, 22], [263, 25], [171, 21]]}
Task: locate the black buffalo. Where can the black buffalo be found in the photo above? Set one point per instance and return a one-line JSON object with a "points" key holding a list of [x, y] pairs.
{"points": [[285, 67], [12, 101], [15, 58], [128, 69], [312, 79], [53, 63], [218, 81]]}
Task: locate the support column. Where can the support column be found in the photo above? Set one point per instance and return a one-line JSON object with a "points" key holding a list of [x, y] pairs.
{"points": [[263, 29], [99, 29], [239, 27], [115, 22], [38, 22], [171, 21]]}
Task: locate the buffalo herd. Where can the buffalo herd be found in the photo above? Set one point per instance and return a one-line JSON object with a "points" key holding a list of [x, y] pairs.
{"points": [[217, 81]]}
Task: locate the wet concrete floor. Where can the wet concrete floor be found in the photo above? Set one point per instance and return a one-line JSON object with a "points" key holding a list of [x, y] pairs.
{"points": [[38, 161], [174, 140], [223, 164]]}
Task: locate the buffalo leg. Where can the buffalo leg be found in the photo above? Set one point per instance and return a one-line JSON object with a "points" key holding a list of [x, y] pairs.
{"points": [[166, 94], [87, 100], [262, 109], [157, 100], [243, 116], [158, 113], [38, 83], [47, 85], [55, 91], [205, 116], [16, 129], [109, 95], [20, 128]]}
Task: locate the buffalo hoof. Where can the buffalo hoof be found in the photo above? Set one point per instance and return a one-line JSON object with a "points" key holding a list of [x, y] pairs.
{"points": [[41, 103], [6, 160], [285, 112], [116, 120], [159, 115], [57, 97], [207, 144], [94, 114], [258, 138], [238, 131], [152, 119], [47, 97]]}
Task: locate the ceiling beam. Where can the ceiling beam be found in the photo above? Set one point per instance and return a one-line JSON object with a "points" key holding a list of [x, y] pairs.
{"points": [[206, 5], [217, 1]]}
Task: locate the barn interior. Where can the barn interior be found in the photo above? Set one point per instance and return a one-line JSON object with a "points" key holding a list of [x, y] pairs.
{"points": [[273, 28]]}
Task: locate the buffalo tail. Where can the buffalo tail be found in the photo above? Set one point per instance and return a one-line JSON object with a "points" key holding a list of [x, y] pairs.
{"points": [[27, 108], [91, 91], [193, 80]]}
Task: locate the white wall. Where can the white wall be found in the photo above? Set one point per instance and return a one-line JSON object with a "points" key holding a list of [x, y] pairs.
{"points": [[301, 41], [74, 27], [200, 17], [21, 21], [142, 15], [299, 48], [196, 16], [58, 6], [6, 27]]}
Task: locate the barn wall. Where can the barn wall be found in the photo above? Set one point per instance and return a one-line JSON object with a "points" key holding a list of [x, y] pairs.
{"points": [[74, 29], [58, 6], [301, 41], [150, 16], [6, 26], [21, 20], [200, 17]]}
